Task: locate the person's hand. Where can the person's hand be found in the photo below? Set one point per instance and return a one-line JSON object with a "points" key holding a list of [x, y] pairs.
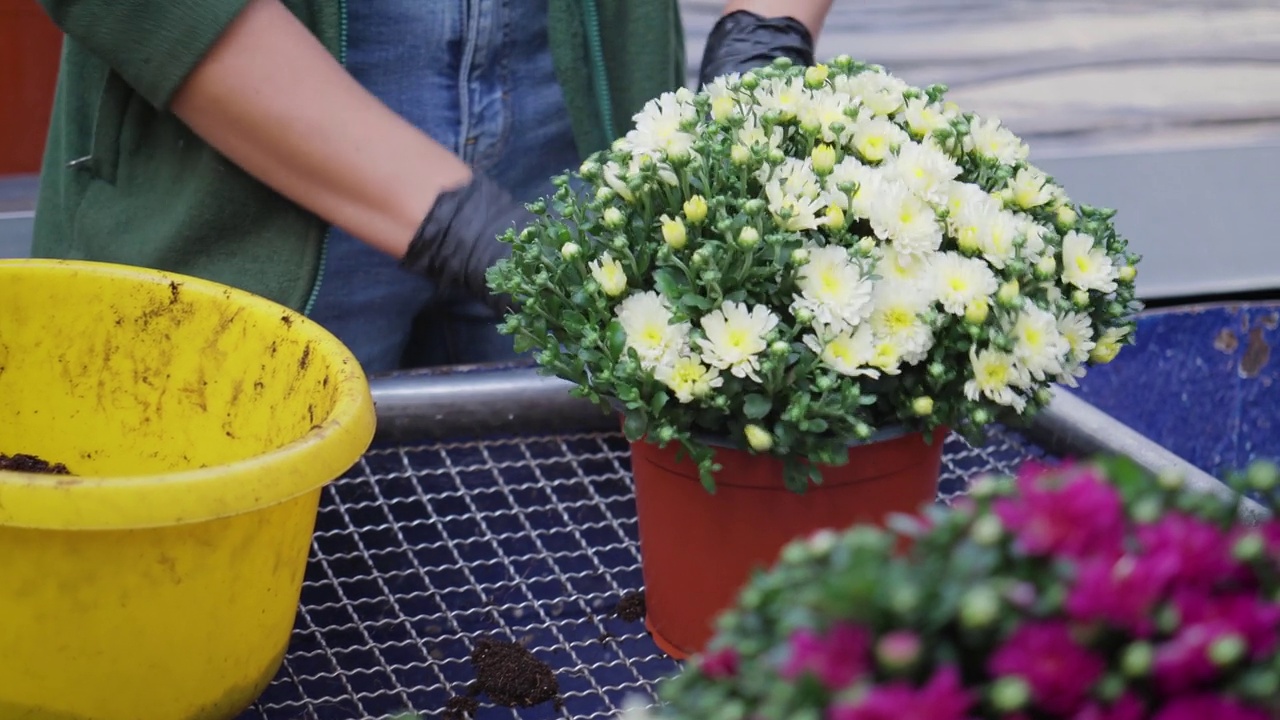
{"points": [[458, 240], [743, 40]]}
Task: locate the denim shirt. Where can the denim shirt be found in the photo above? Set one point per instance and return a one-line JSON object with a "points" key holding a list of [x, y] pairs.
{"points": [[478, 77]]}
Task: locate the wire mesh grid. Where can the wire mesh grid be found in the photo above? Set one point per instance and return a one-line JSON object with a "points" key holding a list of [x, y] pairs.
{"points": [[420, 552]]}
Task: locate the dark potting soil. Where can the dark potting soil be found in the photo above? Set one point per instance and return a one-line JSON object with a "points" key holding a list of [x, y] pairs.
{"points": [[511, 676], [461, 708], [31, 464], [631, 607]]}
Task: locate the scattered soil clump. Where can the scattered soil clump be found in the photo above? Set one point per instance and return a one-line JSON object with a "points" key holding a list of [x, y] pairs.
{"points": [[31, 464], [631, 607], [461, 708], [511, 676]]}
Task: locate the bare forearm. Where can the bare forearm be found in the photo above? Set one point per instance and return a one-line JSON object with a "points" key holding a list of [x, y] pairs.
{"points": [[276, 103], [811, 13]]}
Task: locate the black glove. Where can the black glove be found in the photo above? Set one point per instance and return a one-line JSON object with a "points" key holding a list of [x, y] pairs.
{"points": [[743, 40], [458, 241]]}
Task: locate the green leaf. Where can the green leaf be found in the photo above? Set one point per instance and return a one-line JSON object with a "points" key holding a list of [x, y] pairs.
{"points": [[617, 339], [756, 406], [670, 283], [697, 302], [635, 425], [659, 401]]}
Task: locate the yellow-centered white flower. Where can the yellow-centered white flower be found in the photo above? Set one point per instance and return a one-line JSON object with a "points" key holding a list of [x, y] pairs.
{"points": [[1037, 344], [896, 268], [687, 378], [753, 136], [1077, 330], [1030, 188], [991, 139], [1086, 266], [646, 319], [903, 218], [959, 280], [925, 169], [850, 352], [897, 318], [658, 127], [879, 91], [833, 287], [923, 118], [735, 335], [823, 110], [786, 95], [874, 138], [996, 375], [610, 274]]}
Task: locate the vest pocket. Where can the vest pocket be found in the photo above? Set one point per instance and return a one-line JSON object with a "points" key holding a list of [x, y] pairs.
{"points": [[104, 150]]}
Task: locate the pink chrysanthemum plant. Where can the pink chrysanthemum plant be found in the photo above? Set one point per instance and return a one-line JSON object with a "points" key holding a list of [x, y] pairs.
{"points": [[1087, 591]]}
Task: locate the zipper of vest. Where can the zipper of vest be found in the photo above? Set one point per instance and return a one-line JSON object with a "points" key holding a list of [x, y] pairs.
{"points": [[599, 72], [324, 242]]}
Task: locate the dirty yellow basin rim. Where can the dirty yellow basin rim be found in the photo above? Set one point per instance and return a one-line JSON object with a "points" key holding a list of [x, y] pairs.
{"points": [[53, 502]]}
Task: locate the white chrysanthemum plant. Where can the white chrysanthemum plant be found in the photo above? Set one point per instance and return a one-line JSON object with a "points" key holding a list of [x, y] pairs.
{"points": [[796, 259]]}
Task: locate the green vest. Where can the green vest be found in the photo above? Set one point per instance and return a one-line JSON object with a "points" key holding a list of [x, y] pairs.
{"points": [[125, 181]]}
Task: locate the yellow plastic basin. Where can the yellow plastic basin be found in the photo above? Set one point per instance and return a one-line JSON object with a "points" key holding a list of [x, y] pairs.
{"points": [[201, 423]]}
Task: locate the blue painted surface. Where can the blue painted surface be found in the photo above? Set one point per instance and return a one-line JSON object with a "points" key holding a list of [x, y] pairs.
{"points": [[1203, 381]]}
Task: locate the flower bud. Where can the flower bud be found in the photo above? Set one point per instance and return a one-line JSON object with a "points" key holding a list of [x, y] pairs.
{"points": [[987, 530], [701, 256], [799, 256], [619, 242], [1136, 659], [695, 209], [865, 245], [722, 108], [861, 430], [750, 81], [810, 126], [606, 194], [976, 312], [979, 607], [904, 599], [754, 206], [739, 155], [824, 383], [922, 406], [570, 250], [1147, 510], [749, 237], [673, 232], [1066, 217], [824, 159], [967, 241], [1046, 268], [835, 217], [898, 650], [1010, 694], [1228, 649], [1263, 475], [613, 218], [980, 416], [758, 438], [779, 348], [1104, 352], [1170, 479], [1080, 298], [1249, 548], [1010, 294], [775, 156], [815, 77], [1127, 273], [804, 316]]}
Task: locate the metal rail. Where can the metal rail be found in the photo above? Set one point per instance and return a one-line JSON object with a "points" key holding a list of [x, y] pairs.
{"points": [[508, 399]]}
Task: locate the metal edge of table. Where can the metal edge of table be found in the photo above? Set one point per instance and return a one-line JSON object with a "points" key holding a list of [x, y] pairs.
{"points": [[514, 398]]}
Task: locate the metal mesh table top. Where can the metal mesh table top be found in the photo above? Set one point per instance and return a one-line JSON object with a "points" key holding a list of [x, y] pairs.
{"points": [[421, 551]]}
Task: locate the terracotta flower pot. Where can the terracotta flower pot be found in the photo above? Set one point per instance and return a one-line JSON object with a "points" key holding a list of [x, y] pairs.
{"points": [[699, 548]]}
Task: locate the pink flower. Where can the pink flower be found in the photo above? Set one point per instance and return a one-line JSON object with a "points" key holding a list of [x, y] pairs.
{"points": [[898, 649], [1059, 671], [1183, 661], [837, 658], [1195, 552], [719, 664], [1122, 592], [1208, 707], [1127, 707], [1254, 619], [943, 698], [1064, 511]]}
